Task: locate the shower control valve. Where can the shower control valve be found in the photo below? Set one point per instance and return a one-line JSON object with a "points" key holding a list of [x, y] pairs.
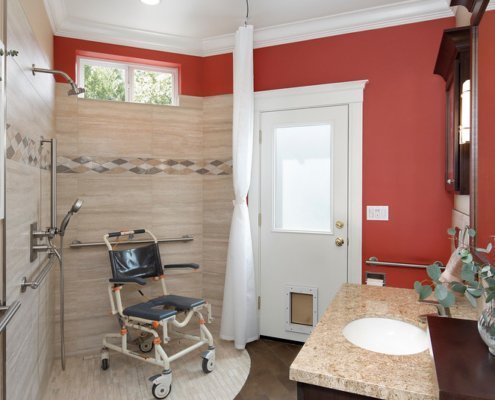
{"points": [[49, 233]]}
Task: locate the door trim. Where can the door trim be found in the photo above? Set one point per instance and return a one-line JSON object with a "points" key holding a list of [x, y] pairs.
{"points": [[344, 93]]}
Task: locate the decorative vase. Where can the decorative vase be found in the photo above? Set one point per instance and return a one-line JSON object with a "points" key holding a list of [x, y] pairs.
{"points": [[486, 326]]}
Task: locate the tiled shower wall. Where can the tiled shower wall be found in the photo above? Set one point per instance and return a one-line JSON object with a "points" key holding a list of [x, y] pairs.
{"points": [[30, 108], [137, 166], [217, 198]]}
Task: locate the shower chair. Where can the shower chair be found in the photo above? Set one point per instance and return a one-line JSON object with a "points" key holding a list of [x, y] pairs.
{"points": [[134, 266]]}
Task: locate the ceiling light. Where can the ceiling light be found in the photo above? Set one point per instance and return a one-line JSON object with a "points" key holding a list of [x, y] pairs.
{"points": [[151, 2]]}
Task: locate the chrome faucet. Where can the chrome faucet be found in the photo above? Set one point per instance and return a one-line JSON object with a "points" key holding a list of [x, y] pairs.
{"points": [[441, 310]]}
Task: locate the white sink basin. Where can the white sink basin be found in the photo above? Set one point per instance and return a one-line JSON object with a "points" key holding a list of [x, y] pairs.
{"points": [[387, 336]]}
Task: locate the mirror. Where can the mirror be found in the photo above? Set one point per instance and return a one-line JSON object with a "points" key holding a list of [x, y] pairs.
{"points": [[483, 209]]}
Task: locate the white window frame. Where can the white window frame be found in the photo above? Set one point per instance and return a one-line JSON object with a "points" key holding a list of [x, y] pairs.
{"points": [[129, 69]]}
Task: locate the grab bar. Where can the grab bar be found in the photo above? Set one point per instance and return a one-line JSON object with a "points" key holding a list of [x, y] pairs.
{"points": [[41, 276], [185, 238], [375, 261], [9, 314]]}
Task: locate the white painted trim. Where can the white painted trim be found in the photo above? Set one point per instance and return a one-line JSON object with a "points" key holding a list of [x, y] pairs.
{"points": [[363, 20], [350, 93], [411, 11]]}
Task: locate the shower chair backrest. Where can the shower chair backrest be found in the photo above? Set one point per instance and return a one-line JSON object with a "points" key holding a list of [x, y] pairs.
{"points": [[140, 262]]}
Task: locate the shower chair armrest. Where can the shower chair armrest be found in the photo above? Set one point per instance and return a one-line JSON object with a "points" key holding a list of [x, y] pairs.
{"points": [[181, 266], [139, 281]]}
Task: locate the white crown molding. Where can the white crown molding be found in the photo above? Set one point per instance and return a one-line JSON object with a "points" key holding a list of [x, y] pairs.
{"points": [[57, 12], [372, 18], [79, 28]]}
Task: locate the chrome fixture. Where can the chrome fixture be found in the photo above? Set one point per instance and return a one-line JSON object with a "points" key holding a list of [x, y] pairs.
{"points": [[74, 89], [9, 313], [74, 209], [375, 261], [247, 13], [185, 238], [441, 311], [53, 181], [35, 283], [50, 232], [60, 255], [37, 247]]}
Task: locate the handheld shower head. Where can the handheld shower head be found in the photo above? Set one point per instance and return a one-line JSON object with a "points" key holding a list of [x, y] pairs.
{"points": [[74, 209], [76, 206]]}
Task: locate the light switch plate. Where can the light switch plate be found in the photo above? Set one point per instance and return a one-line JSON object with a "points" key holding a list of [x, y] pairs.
{"points": [[377, 213]]}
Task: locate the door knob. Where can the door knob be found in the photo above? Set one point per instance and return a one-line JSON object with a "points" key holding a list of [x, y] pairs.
{"points": [[339, 241]]}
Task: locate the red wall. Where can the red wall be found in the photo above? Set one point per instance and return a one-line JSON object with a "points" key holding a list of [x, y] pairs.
{"points": [[404, 145], [486, 129], [404, 123], [191, 68]]}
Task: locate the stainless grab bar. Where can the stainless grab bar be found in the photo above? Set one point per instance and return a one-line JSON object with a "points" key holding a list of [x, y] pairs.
{"points": [[9, 314], [375, 261], [185, 238], [41, 276]]}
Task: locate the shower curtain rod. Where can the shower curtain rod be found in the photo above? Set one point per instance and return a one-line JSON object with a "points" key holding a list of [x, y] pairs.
{"points": [[79, 244]]}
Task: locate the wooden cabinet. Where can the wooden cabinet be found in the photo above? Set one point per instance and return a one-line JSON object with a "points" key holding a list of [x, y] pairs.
{"points": [[454, 66]]}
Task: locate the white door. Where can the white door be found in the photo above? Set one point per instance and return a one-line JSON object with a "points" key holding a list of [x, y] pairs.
{"points": [[303, 207]]}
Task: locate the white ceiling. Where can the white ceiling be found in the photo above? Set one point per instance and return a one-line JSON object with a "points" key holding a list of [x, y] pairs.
{"points": [[205, 27]]}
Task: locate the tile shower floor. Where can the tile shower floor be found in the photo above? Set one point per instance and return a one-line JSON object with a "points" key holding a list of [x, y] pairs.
{"points": [[127, 379], [262, 375]]}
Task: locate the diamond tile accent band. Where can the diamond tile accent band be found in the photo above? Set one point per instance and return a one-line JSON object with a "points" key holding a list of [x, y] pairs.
{"points": [[25, 150], [141, 166]]}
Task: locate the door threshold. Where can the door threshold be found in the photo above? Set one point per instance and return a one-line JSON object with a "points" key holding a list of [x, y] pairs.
{"points": [[276, 339]]}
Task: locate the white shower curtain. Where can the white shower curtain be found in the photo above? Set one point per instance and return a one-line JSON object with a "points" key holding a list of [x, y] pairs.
{"points": [[239, 315]]}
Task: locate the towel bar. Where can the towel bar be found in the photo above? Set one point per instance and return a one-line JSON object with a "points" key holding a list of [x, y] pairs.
{"points": [[375, 261]]}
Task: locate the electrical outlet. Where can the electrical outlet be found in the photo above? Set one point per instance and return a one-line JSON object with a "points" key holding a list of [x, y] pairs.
{"points": [[377, 213]]}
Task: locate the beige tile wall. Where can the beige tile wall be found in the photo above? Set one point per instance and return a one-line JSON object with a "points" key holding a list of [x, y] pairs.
{"points": [[30, 107], [217, 198], [169, 205]]}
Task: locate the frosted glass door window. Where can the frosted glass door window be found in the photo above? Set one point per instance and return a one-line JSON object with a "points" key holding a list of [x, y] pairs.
{"points": [[303, 179]]}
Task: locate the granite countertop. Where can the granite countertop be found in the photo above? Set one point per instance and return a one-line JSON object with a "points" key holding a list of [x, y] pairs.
{"points": [[327, 359]]}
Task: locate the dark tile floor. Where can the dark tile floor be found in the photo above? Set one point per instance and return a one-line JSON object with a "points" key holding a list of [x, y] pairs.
{"points": [[269, 375]]}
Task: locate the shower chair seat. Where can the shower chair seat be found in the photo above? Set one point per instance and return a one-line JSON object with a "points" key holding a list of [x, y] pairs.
{"points": [[180, 303], [149, 310]]}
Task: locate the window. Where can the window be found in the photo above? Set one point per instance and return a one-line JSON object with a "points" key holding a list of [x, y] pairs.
{"points": [[118, 81], [303, 179]]}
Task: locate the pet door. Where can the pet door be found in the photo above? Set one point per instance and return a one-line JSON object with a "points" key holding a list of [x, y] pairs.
{"points": [[301, 309]]}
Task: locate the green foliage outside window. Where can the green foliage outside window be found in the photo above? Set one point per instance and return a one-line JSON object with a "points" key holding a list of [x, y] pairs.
{"points": [[152, 87], [108, 83], [104, 83]]}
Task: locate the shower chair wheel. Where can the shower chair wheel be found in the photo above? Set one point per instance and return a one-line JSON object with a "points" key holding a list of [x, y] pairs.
{"points": [[146, 346], [104, 359], [208, 363], [162, 385]]}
